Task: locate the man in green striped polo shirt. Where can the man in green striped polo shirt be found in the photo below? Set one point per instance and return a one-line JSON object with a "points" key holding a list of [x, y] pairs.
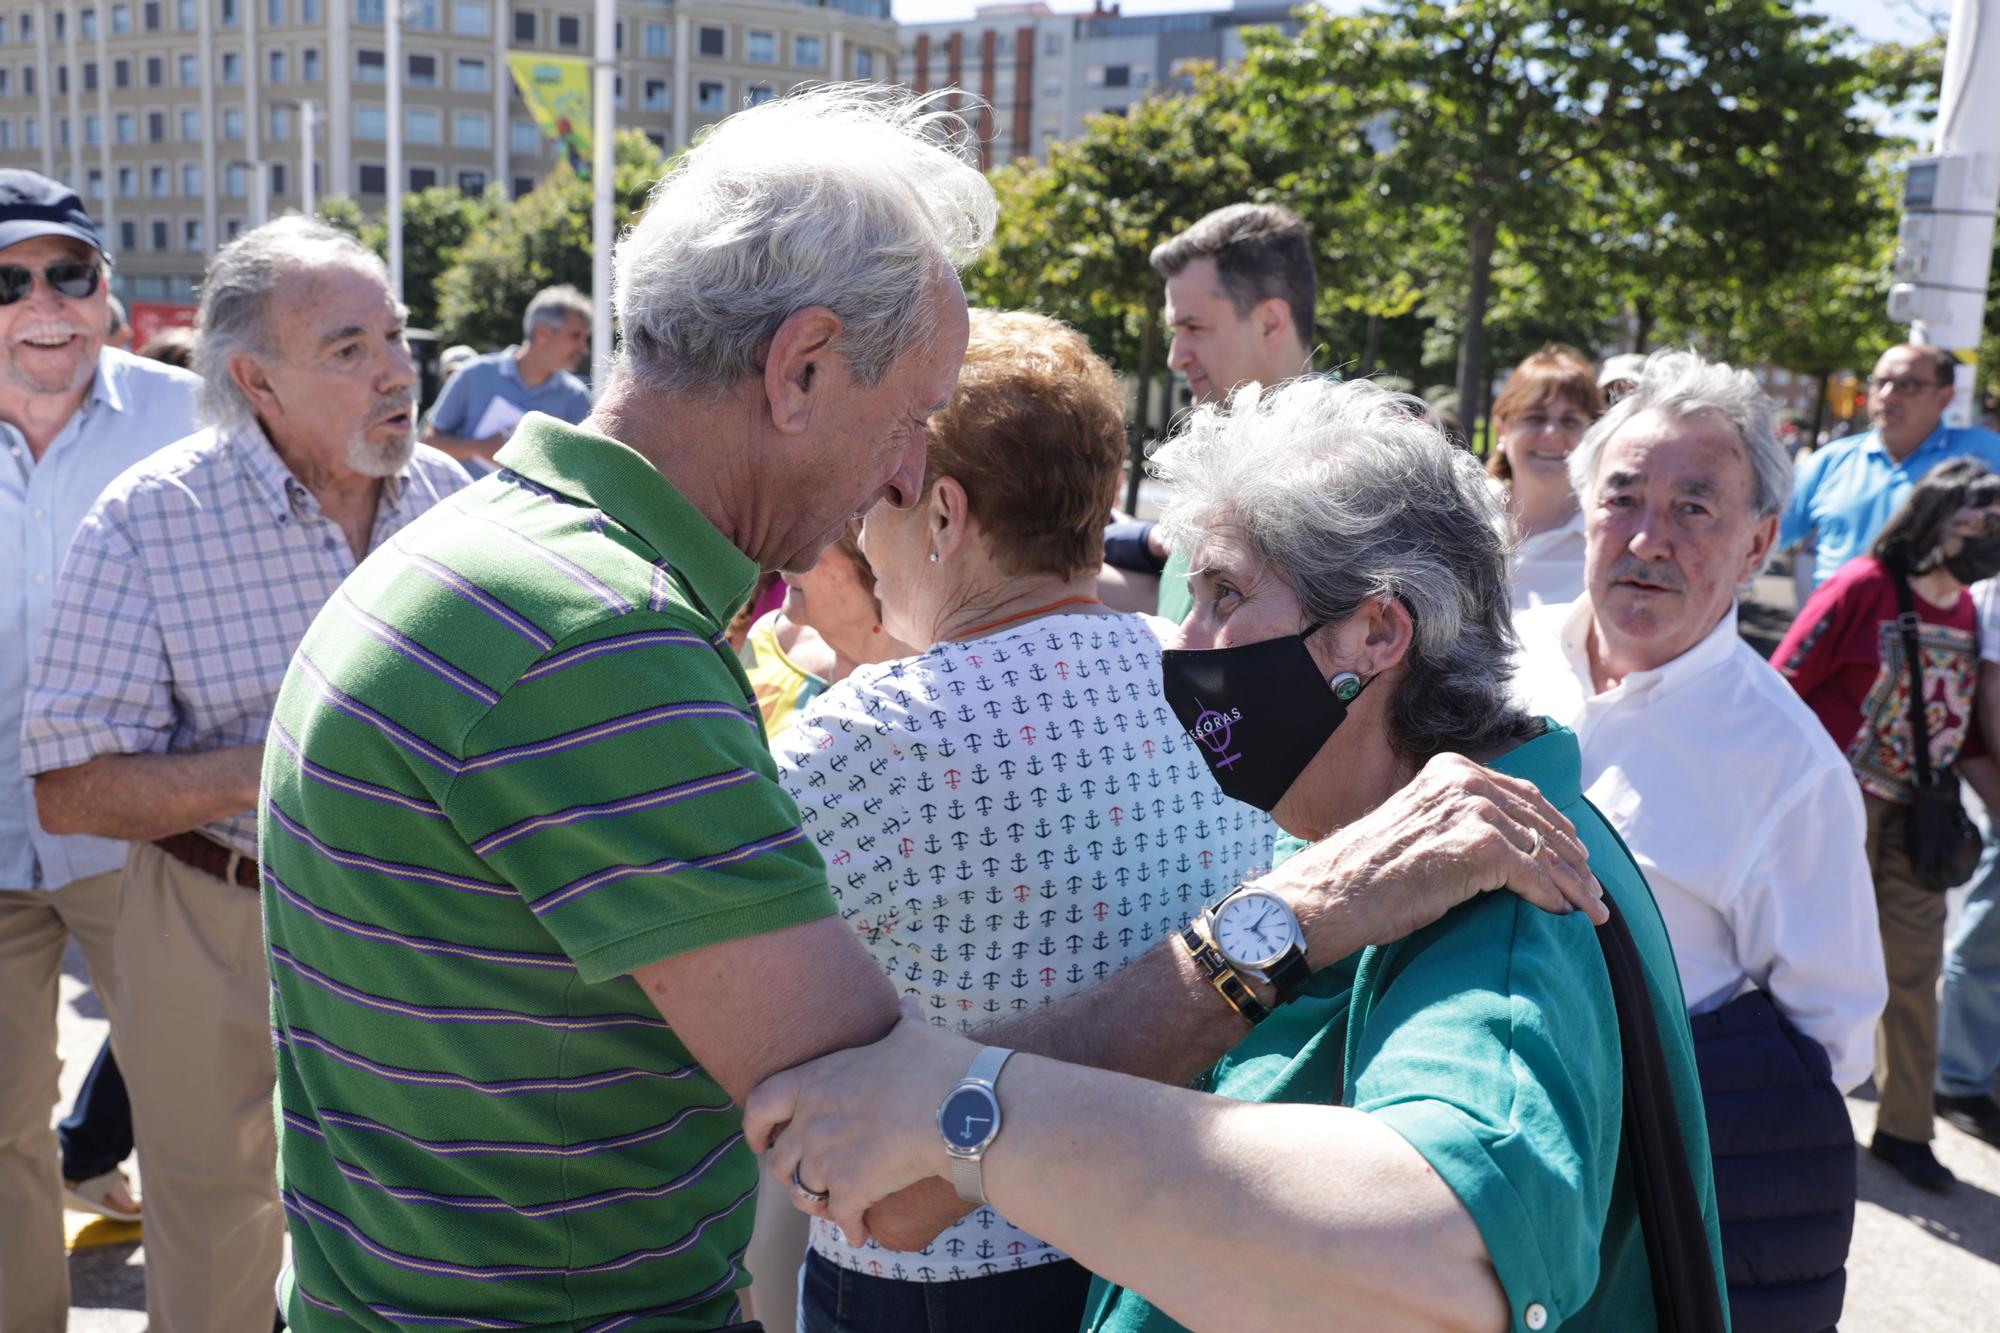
{"points": [[538, 913]]}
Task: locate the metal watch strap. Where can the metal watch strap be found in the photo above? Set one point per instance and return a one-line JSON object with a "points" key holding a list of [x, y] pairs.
{"points": [[967, 1177], [1221, 975]]}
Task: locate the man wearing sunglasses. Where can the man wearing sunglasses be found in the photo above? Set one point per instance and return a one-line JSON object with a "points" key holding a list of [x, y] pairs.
{"points": [[73, 415], [1847, 491], [186, 592]]}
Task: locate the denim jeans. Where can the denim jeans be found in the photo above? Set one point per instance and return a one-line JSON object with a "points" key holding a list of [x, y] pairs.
{"points": [[1047, 1298], [1969, 1019]]}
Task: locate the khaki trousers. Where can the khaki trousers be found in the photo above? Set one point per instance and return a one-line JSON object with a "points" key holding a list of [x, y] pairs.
{"points": [[35, 927], [1912, 921], [196, 1055]]}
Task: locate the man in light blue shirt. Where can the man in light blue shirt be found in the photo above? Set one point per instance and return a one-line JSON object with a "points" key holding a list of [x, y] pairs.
{"points": [[1847, 491], [482, 403], [74, 414]]}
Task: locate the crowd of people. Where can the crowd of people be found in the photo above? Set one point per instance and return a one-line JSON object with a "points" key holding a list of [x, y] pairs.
{"points": [[1389, 879]]}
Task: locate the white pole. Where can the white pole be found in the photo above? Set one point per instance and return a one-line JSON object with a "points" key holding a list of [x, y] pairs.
{"points": [[307, 110], [601, 171], [393, 17]]}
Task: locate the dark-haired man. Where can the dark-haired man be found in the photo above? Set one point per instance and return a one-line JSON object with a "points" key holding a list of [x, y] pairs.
{"points": [[1847, 491], [1240, 294]]}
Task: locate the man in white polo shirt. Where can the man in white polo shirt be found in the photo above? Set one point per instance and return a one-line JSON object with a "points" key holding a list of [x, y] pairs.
{"points": [[1740, 810]]}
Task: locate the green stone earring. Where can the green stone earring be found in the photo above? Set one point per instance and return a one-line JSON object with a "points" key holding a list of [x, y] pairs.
{"points": [[1345, 686]]}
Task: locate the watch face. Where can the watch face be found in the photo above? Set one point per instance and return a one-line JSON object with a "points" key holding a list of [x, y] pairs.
{"points": [[969, 1119], [1254, 929]]}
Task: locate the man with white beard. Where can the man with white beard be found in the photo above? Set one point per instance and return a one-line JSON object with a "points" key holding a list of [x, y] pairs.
{"points": [[187, 589]]}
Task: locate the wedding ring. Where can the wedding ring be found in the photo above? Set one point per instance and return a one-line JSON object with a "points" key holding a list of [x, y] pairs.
{"points": [[806, 1191], [1536, 850]]}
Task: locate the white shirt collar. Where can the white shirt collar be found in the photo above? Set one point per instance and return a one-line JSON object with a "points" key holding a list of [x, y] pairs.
{"points": [[1715, 648]]}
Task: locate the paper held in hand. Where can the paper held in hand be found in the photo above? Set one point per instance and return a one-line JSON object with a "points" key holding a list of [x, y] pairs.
{"points": [[499, 418]]}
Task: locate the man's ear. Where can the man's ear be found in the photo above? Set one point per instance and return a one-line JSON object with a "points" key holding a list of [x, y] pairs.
{"points": [[1274, 318], [796, 365], [1764, 538], [249, 375]]}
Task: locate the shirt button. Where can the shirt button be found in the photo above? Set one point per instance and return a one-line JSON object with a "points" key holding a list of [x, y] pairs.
{"points": [[41, 578], [1537, 1316]]}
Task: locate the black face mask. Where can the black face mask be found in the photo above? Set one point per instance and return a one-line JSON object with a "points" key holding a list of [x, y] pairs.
{"points": [[1978, 558], [1260, 712]]}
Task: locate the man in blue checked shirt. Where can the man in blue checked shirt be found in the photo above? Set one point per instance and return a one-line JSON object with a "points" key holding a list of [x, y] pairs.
{"points": [[187, 589], [73, 415], [1846, 492]]}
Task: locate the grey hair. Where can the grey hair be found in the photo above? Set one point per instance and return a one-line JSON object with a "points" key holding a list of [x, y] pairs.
{"points": [[235, 314], [1351, 494], [850, 196], [1679, 383], [554, 306]]}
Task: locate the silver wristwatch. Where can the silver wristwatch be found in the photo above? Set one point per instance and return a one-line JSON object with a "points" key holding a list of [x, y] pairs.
{"points": [[969, 1119]]}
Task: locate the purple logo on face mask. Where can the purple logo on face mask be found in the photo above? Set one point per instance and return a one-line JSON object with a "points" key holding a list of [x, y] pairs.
{"points": [[1213, 730]]}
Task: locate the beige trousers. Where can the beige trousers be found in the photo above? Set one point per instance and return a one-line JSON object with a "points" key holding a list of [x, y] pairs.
{"points": [[196, 1055], [1912, 921], [35, 927]]}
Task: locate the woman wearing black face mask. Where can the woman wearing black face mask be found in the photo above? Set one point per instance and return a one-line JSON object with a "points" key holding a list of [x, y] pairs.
{"points": [[1846, 656], [1494, 1121]]}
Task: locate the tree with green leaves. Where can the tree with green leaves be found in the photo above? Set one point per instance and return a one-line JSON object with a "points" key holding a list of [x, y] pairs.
{"points": [[436, 222]]}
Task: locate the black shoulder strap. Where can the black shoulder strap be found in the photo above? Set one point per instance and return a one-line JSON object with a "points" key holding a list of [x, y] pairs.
{"points": [[1685, 1295], [1906, 624]]}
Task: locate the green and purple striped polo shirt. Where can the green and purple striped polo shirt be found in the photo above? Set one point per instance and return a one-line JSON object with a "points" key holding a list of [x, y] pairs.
{"points": [[514, 760]]}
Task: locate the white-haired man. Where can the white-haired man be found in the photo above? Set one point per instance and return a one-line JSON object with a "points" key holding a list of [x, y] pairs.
{"points": [[73, 415], [539, 913], [186, 592], [486, 396], [1740, 810]]}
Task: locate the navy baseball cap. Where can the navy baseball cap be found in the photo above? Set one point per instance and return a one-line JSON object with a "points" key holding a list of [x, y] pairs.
{"points": [[33, 205]]}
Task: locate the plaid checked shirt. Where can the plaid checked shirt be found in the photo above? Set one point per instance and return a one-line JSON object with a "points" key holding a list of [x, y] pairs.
{"points": [[186, 591]]}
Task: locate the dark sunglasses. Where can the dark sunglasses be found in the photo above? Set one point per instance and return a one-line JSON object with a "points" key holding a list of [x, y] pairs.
{"points": [[74, 278]]}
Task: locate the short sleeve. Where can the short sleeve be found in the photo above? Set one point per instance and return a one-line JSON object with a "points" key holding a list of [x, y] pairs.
{"points": [[1797, 523], [101, 682], [622, 785], [452, 413], [1494, 1052]]}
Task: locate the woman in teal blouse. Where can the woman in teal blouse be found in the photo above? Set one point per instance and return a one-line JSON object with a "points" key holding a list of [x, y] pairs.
{"points": [[1426, 1133]]}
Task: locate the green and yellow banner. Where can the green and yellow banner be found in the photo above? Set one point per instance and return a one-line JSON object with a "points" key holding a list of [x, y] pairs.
{"points": [[557, 91]]}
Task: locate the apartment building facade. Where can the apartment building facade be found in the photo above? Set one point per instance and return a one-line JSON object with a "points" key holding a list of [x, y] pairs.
{"points": [[180, 121], [1034, 75]]}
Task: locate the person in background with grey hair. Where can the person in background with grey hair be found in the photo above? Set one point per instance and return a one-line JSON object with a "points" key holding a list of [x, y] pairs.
{"points": [[120, 334], [1411, 1132], [1761, 868], [74, 414], [186, 592], [485, 397]]}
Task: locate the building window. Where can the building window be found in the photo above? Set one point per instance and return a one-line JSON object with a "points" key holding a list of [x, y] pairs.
{"points": [[190, 69], [62, 132], [371, 123], [472, 182], [121, 20], [232, 68], [90, 76], [711, 97], [808, 52], [191, 180], [229, 11], [657, 41], [162, 236], [309, 64], [373, 178], [471, 129], [370, 67], [125, 128], [28, 81], [31, 132], [121, 76], [656, 95], [62, 78], [190, 124], [280, 122], [191, 233], [309, 13], [159, 182], [93, 132], [712, 42], [6, 81], [618, 91], [760, 48], [156, 71], [369, 12], [232, 123], [232, 228], [1117, 76], [4, 21], [234, 180], [521, 185], [94, 183], [27, 28], [421, 14], [569, 30], [128, 182], [276, 71], [61, 26], [524, 139], [468, 75], [423, 71], [524, 26], [758, 94], [128, 233], [156, 127], [423, 178], [86, 23], [274, 13], [423, 125], [472, 18], [618, 35]]}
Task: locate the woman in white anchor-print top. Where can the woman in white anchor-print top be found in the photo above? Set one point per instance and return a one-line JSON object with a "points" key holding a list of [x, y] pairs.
{"points": [[1013, 814]]}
